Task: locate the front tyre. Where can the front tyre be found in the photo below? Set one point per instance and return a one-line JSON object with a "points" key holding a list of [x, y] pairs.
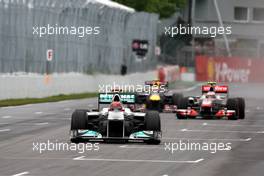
{"points": [[232, 104], [152, 123], [241, 104], [176, 98], [181, 117], [79, 121]]}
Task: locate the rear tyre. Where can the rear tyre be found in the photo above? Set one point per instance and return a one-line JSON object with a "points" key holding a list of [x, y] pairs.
{"points": [[241, 104], [232, 104], [176, 98], [181, 117], [183, 103]]}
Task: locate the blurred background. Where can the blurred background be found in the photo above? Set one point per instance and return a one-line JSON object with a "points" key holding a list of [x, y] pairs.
{"points": [[132, 44]]}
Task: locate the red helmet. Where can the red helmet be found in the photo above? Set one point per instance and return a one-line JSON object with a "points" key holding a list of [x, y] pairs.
{"points": [[116, 105]]}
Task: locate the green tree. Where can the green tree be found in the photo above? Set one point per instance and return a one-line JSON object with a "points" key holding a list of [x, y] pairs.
{"points": [[165, 8]]}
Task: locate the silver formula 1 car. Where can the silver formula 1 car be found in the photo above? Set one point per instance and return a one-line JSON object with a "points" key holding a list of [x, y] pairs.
{"points": [[116, 122]]}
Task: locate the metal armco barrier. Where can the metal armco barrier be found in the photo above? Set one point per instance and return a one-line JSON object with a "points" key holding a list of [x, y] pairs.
{"points": [[224, 69]]}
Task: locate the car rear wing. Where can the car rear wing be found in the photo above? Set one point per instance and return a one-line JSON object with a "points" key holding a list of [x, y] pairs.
{"points": [[125, 98], [216, 89], [157, 82]]}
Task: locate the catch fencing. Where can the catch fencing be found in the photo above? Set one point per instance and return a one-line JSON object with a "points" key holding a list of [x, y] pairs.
{"points": [[23, 50]]}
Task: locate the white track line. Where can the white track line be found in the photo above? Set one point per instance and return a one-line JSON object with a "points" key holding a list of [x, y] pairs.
{"points": [[187, 139], [43, 123], [204, 139], [22, 173], [79, 158], [8, 107], [222, 131], [38, 112], [123, 146], [138, 147], [64, 101], [259, 108], [82, 158], [4, 130], [27, 105], [230, 125], [6, 117]]}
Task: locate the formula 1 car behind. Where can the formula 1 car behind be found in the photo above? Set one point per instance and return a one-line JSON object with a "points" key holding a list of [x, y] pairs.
{"points": [[159, 98], [214, 103], [116, 122]]}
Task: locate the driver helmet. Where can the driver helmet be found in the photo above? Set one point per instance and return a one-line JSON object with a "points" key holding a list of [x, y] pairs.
{"points": [[116, 105], [210, 95]]}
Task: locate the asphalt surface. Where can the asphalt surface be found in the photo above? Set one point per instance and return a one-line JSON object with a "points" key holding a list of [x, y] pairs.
{"points": [[24, 127]]}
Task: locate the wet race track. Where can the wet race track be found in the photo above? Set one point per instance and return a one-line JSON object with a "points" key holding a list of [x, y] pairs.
{"points": [[23, 128]]}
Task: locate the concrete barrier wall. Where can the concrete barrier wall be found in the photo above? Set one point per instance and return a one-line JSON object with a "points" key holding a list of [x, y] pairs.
{"points": [[36, 85]]}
